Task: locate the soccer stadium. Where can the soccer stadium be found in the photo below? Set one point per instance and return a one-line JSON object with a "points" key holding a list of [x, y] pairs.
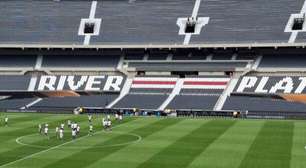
{"points": [[152, 83]]}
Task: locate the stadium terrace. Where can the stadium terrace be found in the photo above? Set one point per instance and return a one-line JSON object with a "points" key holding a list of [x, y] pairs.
{"points": [[152, 83]]}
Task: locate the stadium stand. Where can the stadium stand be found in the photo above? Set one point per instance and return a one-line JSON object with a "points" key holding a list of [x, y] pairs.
{"points": [[187, 65], [76, 61], [158, 54], [15, 104], [70, 103], [190, 54], [148, 101], [20, 61], [244, 103], [257, 57], [204, 102]]}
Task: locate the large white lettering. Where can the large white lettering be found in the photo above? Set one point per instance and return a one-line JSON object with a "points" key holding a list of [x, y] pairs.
{"points": [[93, 80], [261, 85], [301, 86], [113, 82], [47, 82], [79, 83], [285, 84], [61, 83], [247, 82]]}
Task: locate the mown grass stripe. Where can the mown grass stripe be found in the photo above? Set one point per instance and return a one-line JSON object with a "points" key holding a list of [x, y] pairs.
{"points": [[232, 146], [70, 148], [183, 151], [93, 155], [27, 156], [298, 152], [17, 121], [28, 127], [135, 154], [272, 146], [18, 151]]}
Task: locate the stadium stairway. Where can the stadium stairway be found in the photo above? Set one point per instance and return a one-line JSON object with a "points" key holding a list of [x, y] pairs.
{"points": [[175, 91], [31, 104], [229, 88], [125, 90]]}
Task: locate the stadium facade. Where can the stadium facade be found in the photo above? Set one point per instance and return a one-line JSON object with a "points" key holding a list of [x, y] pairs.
{"points": [[203, 57]]}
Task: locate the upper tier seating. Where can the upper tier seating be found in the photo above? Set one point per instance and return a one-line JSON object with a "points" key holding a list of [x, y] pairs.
{"points": [[76, 61], [135, 54], [17, 61], [283, 61], [189, 54], [187, 66], [158, 54]]}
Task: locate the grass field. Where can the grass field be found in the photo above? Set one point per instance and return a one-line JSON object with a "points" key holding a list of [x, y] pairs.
{"points": [[140, 142]]}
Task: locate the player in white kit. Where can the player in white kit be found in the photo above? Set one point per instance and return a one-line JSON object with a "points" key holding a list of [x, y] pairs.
{"points": [[61, 134], [39, 129], [109, 125], [90, 132], [89, 118], [78, 128], [73, 133], [62, 125], [69, 123], [6, 121], [104, 123], [116, 116], [57, 132], [46, 131]]}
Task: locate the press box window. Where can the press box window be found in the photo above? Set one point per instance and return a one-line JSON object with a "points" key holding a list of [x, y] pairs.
{"points": [[190, 25], [298, 24], [89, 27]]}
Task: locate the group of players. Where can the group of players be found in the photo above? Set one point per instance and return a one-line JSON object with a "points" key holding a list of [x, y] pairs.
{"points": [[75, 127]]}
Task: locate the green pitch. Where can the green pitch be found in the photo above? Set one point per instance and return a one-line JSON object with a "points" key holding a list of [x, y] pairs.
{"points": [[141, 142]]}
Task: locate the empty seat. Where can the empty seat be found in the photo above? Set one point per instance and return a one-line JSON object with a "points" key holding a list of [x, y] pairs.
{"points": [[17, 61], [15, 104], [244, 103], [66, 61], [283, 61], [141, 101], [157, 54], [73, 102], [206, 102]]}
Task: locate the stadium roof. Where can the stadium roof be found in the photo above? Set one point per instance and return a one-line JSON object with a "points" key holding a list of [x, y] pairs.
{"points": [[150, 22]]}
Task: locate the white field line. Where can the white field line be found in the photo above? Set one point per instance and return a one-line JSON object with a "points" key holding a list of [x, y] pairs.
{"points": [[49, 149], [139, 138]]}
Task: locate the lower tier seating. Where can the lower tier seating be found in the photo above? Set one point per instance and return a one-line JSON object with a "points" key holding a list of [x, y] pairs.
{"points": [[245, 103], [141, 101], [206, 102]]}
